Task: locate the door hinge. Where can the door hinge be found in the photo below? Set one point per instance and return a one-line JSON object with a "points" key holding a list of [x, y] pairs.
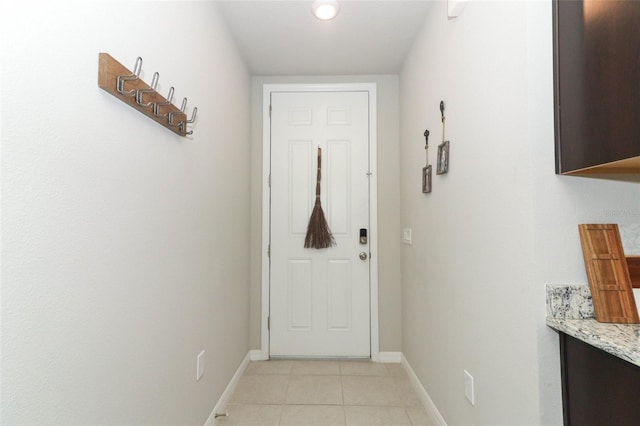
{"points": [[269, 180], [269, 251], [269, 110], [269, 323]]}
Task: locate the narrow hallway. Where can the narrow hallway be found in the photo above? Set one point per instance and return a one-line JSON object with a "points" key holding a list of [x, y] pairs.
{"points": [[311, 392], [131, 254]]}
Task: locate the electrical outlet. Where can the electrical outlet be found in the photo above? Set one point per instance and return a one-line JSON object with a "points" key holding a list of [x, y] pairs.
{"points": [[469, 391], [200, 366], [406, 236]]}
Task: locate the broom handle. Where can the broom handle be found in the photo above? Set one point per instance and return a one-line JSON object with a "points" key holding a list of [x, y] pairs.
{"points": [[318, 179]]}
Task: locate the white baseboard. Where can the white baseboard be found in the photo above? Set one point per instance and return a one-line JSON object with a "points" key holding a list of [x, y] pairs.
{"points": [[422, 393], [257, 355], [390, 357], [228, 391]]}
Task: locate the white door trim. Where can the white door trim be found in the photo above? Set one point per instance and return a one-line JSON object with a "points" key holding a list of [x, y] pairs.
{"points": [[373, 197]]}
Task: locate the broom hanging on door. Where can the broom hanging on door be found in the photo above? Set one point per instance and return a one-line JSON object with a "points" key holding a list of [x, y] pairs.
{"points": [[318, 233]]}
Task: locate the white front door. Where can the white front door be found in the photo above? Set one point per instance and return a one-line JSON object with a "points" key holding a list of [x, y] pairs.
{"points": [[320, 298]]}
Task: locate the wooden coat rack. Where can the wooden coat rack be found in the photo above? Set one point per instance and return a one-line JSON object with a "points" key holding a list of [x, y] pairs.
{"points": [[125, 85]]}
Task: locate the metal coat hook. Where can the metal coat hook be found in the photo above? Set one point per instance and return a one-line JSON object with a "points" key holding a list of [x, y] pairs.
{"points": [[183, 124], [193, 116], [172, 114], [134, 76], [116, 79], [157, 105], [140, 92]]}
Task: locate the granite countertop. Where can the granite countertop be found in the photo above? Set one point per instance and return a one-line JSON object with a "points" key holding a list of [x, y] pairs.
{"points": [[570, 310], [621, 340]]}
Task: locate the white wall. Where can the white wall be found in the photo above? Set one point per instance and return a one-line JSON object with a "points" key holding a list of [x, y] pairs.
{"points": [[124, 246], [560, 203], [389, 307], [501, 224]]}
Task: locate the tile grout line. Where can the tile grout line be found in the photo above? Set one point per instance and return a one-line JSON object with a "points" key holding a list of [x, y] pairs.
{"points": [[344, 409], [389, 373], [286, 392]]}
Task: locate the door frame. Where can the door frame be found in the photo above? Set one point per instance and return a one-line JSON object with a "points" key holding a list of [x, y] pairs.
{"points": [[267, 90]]}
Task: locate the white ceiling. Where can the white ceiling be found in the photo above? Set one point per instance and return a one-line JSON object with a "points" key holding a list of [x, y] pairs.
{"points": [[283, 38]]}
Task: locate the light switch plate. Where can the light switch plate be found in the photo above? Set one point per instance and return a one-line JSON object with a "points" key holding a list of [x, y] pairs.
{"points": [[406, 236], [200, 366], [469, 391]]}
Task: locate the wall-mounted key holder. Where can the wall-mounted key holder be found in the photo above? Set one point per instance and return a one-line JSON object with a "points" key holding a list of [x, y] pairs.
{"points": [[127, 86]]}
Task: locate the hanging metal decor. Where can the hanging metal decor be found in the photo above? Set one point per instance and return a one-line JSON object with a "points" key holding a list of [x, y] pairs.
{"points": [[426, 170], [318, 233], [443, 149]]}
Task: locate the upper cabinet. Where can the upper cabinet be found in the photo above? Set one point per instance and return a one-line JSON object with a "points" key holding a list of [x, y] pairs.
{"points": [[597, 86]]}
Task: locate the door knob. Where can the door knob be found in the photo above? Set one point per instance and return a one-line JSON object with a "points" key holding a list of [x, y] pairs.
{"points": [[363, 255]]}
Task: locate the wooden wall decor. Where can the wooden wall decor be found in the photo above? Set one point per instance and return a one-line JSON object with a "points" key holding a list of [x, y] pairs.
{"points": [[125, 85], [443, 149], [608, 274], [426, 170]]}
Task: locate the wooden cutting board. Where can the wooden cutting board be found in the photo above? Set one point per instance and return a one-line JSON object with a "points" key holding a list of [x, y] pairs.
{"points": [[633, 263], [608, 274]]}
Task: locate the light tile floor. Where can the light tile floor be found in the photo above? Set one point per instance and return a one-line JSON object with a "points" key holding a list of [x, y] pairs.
{"points": [[324, 393]]}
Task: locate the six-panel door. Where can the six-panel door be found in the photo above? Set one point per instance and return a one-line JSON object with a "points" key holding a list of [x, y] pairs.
{"points": [[319, 298]]}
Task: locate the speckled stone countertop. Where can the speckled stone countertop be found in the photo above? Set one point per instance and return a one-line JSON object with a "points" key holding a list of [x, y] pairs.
{"points": [[621, 340], [570, 310]]}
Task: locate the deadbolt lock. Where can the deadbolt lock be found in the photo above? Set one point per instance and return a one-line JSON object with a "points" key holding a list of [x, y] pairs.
{"points": [[363, 236]]}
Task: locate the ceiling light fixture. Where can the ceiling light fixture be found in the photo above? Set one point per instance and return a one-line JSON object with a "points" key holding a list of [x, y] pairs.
{"points": [[325, 9]]}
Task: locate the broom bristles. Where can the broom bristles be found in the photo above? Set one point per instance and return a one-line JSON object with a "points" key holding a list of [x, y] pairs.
{"points": [[318, 233]]}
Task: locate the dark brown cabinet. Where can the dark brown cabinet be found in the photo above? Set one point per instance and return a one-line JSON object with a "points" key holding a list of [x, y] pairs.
{"points": [[597, 388], [597, 86]]}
